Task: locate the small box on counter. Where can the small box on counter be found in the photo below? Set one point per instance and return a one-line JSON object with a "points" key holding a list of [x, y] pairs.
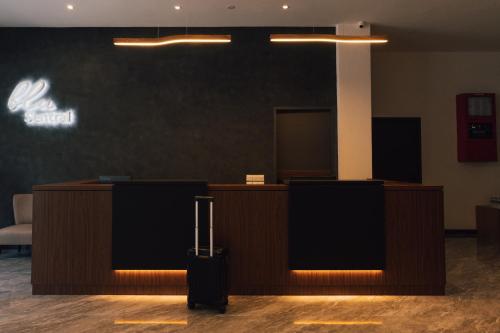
{"points": [[255, 179]]}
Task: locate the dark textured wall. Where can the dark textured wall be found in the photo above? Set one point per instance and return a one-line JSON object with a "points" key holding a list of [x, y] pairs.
{"points": [[185, 111]]}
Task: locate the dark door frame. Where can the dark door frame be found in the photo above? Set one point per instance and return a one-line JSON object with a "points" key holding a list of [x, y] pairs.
{"points": [[333, 133]]}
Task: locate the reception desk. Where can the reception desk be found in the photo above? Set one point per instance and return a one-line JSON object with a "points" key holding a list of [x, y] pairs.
{"points": [[73, 228]]}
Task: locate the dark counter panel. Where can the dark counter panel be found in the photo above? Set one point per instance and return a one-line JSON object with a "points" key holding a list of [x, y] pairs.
{"points": [[153, 224], [336, 225]]}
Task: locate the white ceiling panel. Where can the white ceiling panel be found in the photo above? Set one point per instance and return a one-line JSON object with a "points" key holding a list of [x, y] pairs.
{"points": [[411, 24]]}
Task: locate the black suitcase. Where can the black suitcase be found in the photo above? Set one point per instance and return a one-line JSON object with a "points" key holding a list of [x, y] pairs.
{"points": [[207, 269]]}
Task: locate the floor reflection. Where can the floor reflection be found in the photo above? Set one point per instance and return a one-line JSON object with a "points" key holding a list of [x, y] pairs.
{"points": [[336, 322], [470, 306], [150, 322]]}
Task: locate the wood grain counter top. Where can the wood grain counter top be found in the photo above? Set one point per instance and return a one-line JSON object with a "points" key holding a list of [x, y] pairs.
{"points": [[94, 185], [77, 185]]}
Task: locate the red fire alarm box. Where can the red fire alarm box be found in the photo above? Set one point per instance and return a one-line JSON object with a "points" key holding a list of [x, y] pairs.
{"points": [[476, 128]]}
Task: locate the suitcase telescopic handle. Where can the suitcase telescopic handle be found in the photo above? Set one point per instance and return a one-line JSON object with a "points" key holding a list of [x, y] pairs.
{"points": [[196, 228]]}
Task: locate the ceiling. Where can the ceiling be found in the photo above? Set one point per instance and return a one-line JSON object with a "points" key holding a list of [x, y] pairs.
{"points": [[421, 25]]}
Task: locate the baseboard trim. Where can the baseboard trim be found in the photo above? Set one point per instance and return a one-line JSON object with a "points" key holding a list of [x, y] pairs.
{"points": [[458, 233]]}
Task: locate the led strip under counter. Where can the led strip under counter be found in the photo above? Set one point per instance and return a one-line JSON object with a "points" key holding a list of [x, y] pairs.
{"points": [[123, 271], [297, 271], [176, 277], [339, 271], [150, 272]]}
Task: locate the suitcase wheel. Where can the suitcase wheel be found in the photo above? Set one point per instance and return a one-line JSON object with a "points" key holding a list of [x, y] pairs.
{"points": [[191, 305], [222, 309]]}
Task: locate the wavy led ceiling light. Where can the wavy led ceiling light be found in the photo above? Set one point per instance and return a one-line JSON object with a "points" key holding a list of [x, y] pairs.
{"points": [[327, 38], [170, 40]]}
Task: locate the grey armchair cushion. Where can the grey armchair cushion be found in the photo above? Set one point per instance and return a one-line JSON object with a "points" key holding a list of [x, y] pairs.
{"points": [[23, 208], [19, 234]]}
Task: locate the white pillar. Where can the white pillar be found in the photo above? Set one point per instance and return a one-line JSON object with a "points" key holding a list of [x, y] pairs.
{"points": [[354, 106]]}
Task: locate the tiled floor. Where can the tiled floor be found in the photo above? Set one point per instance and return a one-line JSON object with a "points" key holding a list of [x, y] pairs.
{"points": [[472, 304]]}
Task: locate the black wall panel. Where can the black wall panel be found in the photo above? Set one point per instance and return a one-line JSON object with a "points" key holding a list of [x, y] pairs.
{"points": [[185, 111], [397, 149]]}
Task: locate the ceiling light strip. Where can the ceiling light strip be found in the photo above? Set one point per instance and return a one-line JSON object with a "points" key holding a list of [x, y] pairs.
{"points": [[175, 39], [327, 38]]}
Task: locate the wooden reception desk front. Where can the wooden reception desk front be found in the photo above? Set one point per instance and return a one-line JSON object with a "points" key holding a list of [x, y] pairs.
{"points": [[72, 245]]}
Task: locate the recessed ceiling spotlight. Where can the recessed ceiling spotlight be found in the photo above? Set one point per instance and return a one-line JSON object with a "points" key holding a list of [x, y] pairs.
{"points": [[231, 7], [70, 7], [285, 6], [177, 7]]}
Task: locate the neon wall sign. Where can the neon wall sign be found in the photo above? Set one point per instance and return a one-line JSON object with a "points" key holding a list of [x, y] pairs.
{"points": [[30, 98]]}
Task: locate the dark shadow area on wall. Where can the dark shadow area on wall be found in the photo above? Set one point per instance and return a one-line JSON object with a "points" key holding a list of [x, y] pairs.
{"points": [[305, 142], [184, 111]]}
